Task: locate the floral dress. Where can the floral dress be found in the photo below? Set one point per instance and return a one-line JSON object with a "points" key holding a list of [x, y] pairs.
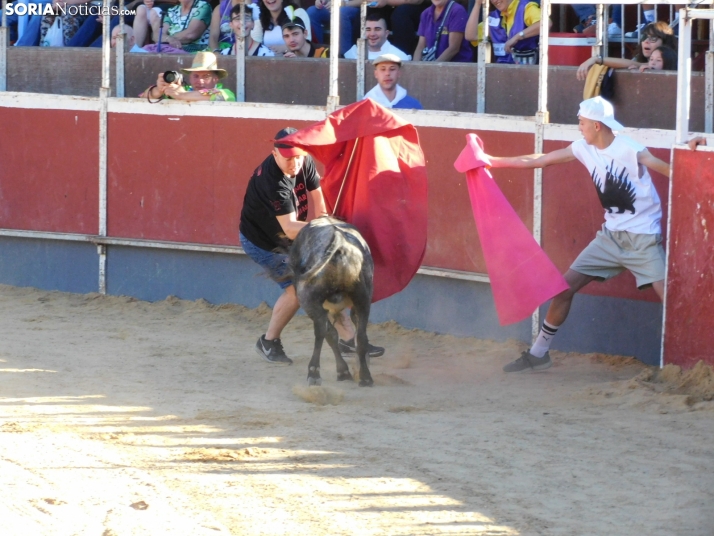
{"points": [[177, 23]]}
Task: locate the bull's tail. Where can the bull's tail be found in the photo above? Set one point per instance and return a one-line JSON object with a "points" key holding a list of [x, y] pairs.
{"points": [[326, 258]]}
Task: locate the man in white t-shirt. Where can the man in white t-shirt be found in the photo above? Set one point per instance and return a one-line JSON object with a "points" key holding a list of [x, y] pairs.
{"points": [[376, 33], [630, 238]]}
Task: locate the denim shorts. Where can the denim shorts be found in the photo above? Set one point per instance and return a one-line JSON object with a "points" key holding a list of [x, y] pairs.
{"points": [[274, 264]]}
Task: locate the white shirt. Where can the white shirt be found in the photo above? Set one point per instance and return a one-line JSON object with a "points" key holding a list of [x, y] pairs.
{"points": [[387, 48], [624, 186], [378, 96]]}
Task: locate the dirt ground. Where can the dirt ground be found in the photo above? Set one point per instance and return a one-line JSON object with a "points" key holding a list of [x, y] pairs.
{"points": [[121, 417]]}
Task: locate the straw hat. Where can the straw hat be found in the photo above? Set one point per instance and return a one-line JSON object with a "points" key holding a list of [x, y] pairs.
{"points": [[205, 61]]}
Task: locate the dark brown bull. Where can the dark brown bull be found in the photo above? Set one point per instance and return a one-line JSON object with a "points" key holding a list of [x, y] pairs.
{"points": [[332, 270]]}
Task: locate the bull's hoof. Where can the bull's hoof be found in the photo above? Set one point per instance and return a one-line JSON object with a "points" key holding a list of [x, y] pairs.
{"points": [[314, 381], [344, 376], [366, 383]]}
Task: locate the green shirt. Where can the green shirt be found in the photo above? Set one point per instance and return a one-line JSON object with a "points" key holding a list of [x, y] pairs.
{"points": [[219, 93], [177, 23]]}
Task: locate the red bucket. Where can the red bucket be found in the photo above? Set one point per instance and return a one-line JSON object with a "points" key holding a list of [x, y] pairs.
{"points": [[569, 48]]}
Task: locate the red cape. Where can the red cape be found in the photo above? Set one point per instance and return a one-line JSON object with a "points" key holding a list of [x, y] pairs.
{"points": [[385, 191], [522, 276]]}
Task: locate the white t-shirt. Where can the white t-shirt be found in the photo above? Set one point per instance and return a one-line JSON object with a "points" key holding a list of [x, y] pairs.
{"points": [[387, 48], [624, 186]]}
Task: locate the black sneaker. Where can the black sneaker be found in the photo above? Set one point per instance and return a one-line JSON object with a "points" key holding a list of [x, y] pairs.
{"points": [[350, 347], [272, 351], [530, 363]]}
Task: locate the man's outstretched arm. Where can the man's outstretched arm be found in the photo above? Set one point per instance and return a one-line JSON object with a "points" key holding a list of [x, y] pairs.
{"points": [[531, 161], [650, 161]]}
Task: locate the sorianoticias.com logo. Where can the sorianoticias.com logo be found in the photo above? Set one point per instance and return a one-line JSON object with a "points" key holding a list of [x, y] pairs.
{"points": [[95, 9]]}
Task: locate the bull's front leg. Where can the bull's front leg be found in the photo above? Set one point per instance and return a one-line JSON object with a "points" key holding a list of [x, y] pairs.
{"points": [[359, 319], [343, 370], [313, 369]]}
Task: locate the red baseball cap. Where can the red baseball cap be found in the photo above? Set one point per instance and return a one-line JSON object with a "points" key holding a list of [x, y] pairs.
{"points": [[287, 151]]}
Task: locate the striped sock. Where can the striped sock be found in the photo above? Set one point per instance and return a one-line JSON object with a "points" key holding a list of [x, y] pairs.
{"points": [[542, 342]]}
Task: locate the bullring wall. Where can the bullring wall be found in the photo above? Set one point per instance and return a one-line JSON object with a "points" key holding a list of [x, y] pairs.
{"points": [[177, 173]]}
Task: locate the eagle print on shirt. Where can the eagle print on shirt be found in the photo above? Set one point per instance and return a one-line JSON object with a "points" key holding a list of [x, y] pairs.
{"points": [[618, 192]]}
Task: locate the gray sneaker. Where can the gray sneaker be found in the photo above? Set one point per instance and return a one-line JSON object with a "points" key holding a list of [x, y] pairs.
{"points": [[272, 351], [529, 363]]}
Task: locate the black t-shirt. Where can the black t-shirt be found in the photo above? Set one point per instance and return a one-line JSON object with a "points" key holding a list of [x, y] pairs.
{"points": [[318, 52], [271, 193]]}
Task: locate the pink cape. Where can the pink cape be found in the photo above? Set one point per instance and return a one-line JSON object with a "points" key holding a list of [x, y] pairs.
{"points": [[384, 193], [522, 276]]}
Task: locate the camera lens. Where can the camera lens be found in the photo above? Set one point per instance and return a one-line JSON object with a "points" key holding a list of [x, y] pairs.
{"points": [[171, 76]]}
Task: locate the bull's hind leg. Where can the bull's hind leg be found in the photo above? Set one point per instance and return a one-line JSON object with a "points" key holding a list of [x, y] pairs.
{"points": [[320, 324], [360, 317], [343, 370]]}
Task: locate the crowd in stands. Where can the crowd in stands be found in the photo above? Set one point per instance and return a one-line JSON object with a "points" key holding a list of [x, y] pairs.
{"points": [[401, 30]]}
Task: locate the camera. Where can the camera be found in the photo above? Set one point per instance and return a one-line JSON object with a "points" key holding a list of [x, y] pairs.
{"points": [[172, 76]]}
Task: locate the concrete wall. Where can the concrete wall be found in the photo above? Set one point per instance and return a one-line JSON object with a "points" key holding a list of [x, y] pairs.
{"points": [[642, 100], [462, 308]]}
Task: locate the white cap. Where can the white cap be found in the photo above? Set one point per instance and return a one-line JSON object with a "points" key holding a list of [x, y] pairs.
{"points": [[598, 109], [384, 58]]}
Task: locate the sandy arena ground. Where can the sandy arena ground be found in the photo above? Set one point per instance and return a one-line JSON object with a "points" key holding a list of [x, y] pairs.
{"points": [[120, 417]]}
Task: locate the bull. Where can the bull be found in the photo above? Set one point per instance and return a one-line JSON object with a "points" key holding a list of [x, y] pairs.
{"points": [[332, 269]]}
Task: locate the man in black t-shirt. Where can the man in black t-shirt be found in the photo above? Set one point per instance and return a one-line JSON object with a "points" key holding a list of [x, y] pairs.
{"points": [[274, 211]]}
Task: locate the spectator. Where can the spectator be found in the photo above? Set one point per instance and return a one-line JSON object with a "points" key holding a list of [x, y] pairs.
{"points": [[514, 30], [649, 14], [653, 36], [661, 58], [12, 21], [90, 33], [376, 32], [404, 20], [588, 21], [128, 37], [147, 15], [203, 76], [298, 46], [31, 29], [441, 33], [221, 33], [252, 48], [273, 14], [185, 25], [70, 23], [388, 92], [28, 26], [697, 141]]}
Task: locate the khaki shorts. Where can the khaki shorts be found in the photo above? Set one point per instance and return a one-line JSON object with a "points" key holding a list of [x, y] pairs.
{"points": [[611, 252]]}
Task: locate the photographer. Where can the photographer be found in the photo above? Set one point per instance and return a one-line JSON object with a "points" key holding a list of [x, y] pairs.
{"points": [[203, 85]]}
